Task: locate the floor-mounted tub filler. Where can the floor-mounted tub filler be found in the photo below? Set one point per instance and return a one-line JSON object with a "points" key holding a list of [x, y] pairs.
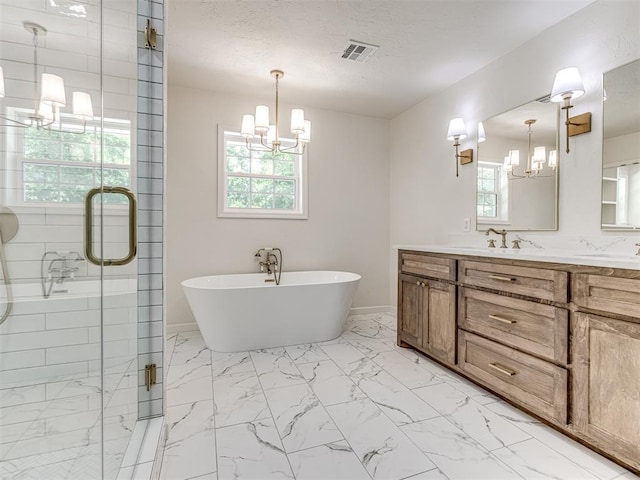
{"points": [[243, 312]]}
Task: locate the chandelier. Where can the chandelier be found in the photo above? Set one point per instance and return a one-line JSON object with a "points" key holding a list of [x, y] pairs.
{"points": [[48, 95], [535, 161], [259, 128]]}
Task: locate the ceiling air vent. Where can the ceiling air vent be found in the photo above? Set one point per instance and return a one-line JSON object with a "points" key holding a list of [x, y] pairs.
{"points": [[358, 51], [545, 99]]}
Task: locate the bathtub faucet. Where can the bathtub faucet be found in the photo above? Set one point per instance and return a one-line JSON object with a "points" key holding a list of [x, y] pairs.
{"points": [[269, 262]]}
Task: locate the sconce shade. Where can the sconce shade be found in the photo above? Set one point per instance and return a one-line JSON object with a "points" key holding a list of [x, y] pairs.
{"points": [[297, 121], [456, 129], [553, 158], [53, 90], [305, 137], [481, 135], [567, 82], [82, 107], [262, 118], [248, 126], [1, 83], [539, 155], [514, 157]]}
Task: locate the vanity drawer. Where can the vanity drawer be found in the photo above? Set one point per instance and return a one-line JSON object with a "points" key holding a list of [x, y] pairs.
{"points": [[534, 383], [428, 266], [531, 282], [532, 327], [607, 294]]}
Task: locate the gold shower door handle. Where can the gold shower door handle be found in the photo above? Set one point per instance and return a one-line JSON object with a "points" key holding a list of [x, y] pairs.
{"points": [[88, 226]]}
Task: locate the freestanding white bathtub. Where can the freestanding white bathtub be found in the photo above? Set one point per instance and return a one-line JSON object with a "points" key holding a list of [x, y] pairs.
{"points": [[241, 312]]}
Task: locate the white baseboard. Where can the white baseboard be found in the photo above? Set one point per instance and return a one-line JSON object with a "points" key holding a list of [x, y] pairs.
{"points": [[181, 327], [192, 326], [368, 310]]}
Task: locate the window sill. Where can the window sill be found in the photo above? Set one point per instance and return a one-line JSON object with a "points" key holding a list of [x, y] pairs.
{"points": [[263, 215]]}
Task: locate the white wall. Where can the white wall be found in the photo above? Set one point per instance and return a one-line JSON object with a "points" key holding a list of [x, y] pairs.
{"points": [[428, 203], [348, 221]]}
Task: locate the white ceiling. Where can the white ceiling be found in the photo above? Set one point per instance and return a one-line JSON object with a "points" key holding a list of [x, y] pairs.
{"points": [[425, 46]]}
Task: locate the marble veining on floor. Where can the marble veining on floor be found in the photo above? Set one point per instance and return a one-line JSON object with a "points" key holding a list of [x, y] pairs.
{"points": [[357, 407]]}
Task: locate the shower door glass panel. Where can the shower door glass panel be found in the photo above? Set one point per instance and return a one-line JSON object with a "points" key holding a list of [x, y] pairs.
{"points": [[68, 348]]}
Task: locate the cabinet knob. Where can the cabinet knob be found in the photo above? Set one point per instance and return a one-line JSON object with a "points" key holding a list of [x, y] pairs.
{"points": [[423, 284], [418, 283]]}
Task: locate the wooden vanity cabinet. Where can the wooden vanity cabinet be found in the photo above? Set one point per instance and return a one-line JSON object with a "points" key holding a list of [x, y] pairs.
{"points": [[427, 304], [606, 384], [606, 363], [561, 341]]}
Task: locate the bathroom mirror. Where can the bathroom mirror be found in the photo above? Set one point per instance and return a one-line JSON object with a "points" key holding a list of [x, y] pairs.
{"points": [[621, 148], [517, 172]]}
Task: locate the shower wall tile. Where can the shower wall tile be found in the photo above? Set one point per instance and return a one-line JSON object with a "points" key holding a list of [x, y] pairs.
{"points": [[150, 168]]}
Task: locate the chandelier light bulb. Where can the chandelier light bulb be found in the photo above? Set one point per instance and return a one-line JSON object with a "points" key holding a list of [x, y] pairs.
{"points": [[305, 137], [297, 121], [82, 106], [248, 126]]}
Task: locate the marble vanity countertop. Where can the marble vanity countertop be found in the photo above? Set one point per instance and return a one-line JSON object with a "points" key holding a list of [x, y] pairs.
{"points": [[589, 258]]}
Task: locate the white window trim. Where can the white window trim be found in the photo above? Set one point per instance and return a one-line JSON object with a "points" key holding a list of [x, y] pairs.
{"points": [[301, 213], [502, 208]]}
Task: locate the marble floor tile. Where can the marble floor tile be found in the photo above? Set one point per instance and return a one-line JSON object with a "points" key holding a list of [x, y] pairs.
{"points": [[275, 368], [484, 426], [335, 461], [533, 459], [367, 346], [329, 383], [454, 452], [434, 474], [412, 374], [350, 360], [229, 363], [301, 420], [306, 353], [251, 451], [189, 383], [591, 461], [190, 446], [371, 330], [190, 350], [381, 447], [238, 398], [398, 403]]}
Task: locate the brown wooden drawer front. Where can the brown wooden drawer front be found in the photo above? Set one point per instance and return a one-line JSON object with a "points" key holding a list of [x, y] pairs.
{"points": [[532, 327], [527, 281], [607, 294], [536, 384], [427, 266]]}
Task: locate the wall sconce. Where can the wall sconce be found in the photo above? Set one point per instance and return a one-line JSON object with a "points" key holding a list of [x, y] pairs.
{"points": [[457, 131], [482, 136], [568, 85]]}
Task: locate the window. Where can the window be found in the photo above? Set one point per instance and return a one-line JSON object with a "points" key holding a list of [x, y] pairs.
{"points": [[259, 184], [60, 167], [488, 190]]}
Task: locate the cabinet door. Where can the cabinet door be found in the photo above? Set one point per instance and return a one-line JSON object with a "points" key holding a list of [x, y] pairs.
{"points": [[606, 384], [439, 318], [410, 298]]}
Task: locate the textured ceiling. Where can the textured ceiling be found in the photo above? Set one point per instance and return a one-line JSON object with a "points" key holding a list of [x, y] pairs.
{"points": [[425, 46]]}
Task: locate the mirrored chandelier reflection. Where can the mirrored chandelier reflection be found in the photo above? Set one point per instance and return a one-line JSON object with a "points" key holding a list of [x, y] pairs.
{"points": [[535, 159], [49, 96]]}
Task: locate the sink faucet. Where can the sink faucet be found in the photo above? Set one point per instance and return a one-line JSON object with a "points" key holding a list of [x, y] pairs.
{"points": [[502, 233]]}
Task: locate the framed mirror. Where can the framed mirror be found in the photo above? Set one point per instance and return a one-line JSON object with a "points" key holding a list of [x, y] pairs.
{"points": [[517, 176], [621, 148]]}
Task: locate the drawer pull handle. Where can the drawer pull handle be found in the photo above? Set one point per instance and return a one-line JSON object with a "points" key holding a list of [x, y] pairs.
{"points": [[501, 319], [501, 278], [500, 369]]}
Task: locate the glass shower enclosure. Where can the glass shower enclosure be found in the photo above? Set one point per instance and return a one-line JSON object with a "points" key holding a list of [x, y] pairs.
{"points": [[68, 290]]}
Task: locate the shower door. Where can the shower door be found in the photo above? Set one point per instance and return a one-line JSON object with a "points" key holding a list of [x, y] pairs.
{"points": [[68, 288]]}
